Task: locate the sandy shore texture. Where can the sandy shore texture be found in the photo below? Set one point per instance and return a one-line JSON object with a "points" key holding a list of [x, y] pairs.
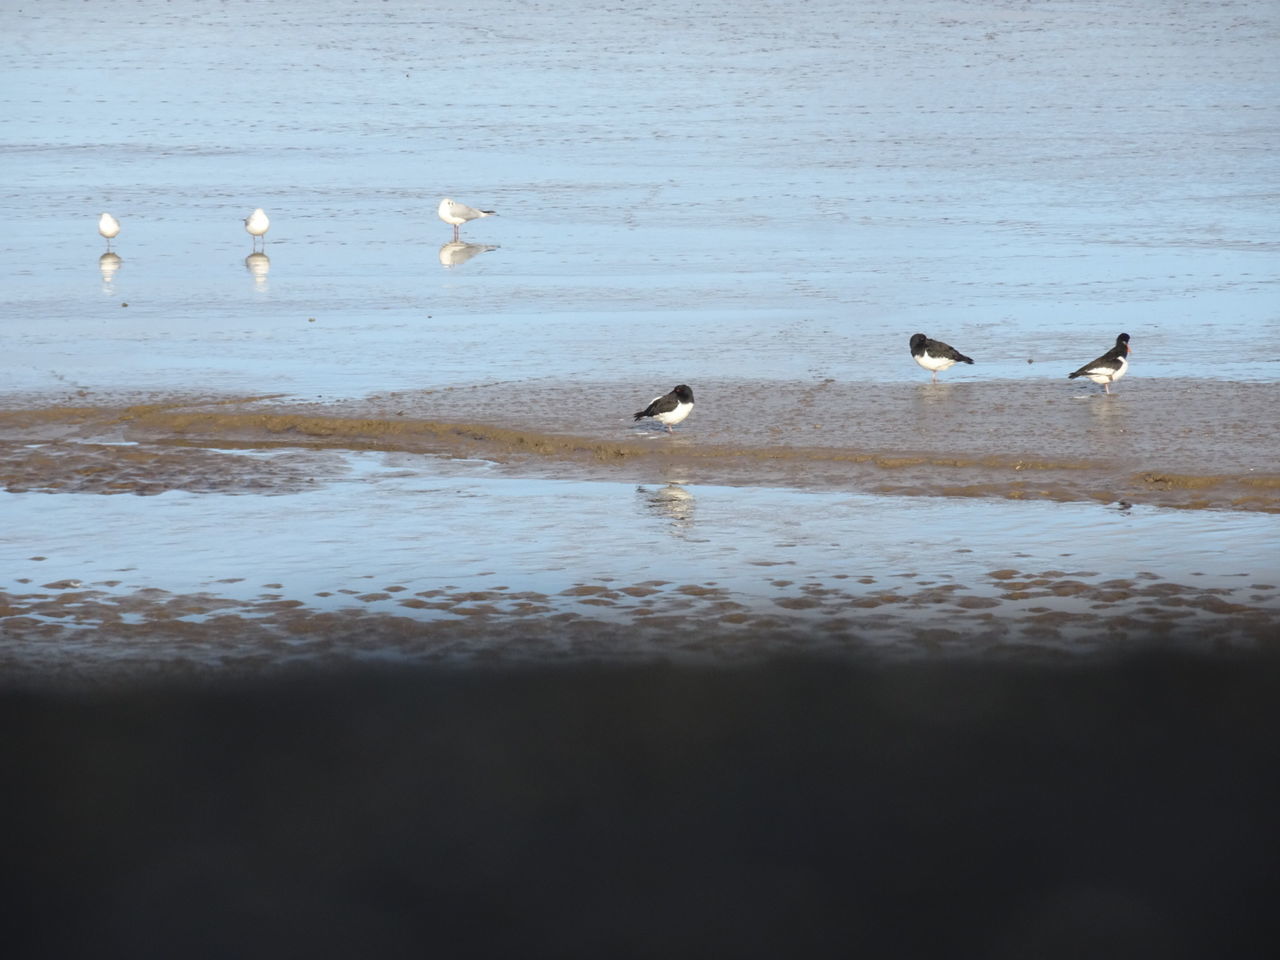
{"points": [[1185, 444]]}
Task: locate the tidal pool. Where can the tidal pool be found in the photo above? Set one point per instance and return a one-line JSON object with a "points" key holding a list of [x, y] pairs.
{"points": [[409, 557]]}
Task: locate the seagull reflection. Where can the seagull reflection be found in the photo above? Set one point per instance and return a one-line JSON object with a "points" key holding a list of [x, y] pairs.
{"points": [[459, 251], [108, 264], [259, 264], [672, 502]]}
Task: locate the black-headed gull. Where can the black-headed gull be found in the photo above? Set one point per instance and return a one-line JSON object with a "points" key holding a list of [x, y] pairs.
{"points": [[456, 214], [109, 227], [257, 224]]}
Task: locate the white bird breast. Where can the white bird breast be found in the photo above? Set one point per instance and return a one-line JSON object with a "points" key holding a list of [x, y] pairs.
{"points": [[672, 417], [1106, 374], [257, 223], [934, 363]]}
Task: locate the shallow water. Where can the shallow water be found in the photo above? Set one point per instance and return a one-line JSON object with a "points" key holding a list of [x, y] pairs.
{"points": [[684, 192], [393, 555]]}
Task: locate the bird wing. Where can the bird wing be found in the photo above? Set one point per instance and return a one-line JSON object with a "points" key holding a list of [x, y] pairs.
{"points": [[1106, 363], [663, 404], [937, 348]]}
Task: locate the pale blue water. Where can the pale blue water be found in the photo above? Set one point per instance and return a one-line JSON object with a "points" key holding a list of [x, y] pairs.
{"points": [[686, 190]]}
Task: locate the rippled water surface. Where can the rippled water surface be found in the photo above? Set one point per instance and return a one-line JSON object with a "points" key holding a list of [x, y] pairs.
{"points": [[684, 191]]}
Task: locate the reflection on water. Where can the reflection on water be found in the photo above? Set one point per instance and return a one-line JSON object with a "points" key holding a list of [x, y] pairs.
{"points": [[931, 409], [259, 264], [672, 502], [108, 264], [458, 252], [340, 555], [595, 211], [933, 394], [1109, 424]]}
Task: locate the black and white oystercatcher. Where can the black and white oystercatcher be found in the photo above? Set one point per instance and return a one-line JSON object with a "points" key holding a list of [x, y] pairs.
{"points": [[1109, 367], [934, 355], [670, 409]]}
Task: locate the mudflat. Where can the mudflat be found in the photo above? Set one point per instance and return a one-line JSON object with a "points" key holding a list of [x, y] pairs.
{"points": [[1186, 444]]}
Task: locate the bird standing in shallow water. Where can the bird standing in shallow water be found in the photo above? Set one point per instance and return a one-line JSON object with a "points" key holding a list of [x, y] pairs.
{"points": [[934, 355], [1109, 367], [257, 224], [670, 409], [109, 227], [456, 214]]}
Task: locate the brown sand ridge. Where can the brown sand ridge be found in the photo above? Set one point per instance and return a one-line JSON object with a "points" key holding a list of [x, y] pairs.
{"points": [[1202, 444]]}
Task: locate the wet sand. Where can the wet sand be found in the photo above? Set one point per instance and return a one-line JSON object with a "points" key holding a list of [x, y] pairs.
{"points": [[1186, 444], [255, 535], [69, 632]]}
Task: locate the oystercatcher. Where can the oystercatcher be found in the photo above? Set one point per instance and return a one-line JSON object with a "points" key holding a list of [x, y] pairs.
{"points": [[934, 355], [1109, 367], [671, 408]]}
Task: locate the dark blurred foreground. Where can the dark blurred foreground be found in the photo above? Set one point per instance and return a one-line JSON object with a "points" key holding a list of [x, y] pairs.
{"points": [[796, 809]]}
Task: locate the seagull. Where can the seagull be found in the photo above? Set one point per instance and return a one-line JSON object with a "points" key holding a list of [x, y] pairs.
{"points": [[108, 226], [670, 409], [257, 224], [1109, 367], [456, 214], [934, 355]]}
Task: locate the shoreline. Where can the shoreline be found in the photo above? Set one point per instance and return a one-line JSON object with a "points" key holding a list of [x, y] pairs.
{"points": [[1193, 445]]}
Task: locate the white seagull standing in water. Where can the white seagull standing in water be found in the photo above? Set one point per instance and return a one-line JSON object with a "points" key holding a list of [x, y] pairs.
{"points": [[109, 227], [670, 409], [456, 214], [1109, 367], [257, 224]]}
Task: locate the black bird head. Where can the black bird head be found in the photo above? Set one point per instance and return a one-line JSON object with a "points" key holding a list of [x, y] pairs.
{"points": [[683, 393]]}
